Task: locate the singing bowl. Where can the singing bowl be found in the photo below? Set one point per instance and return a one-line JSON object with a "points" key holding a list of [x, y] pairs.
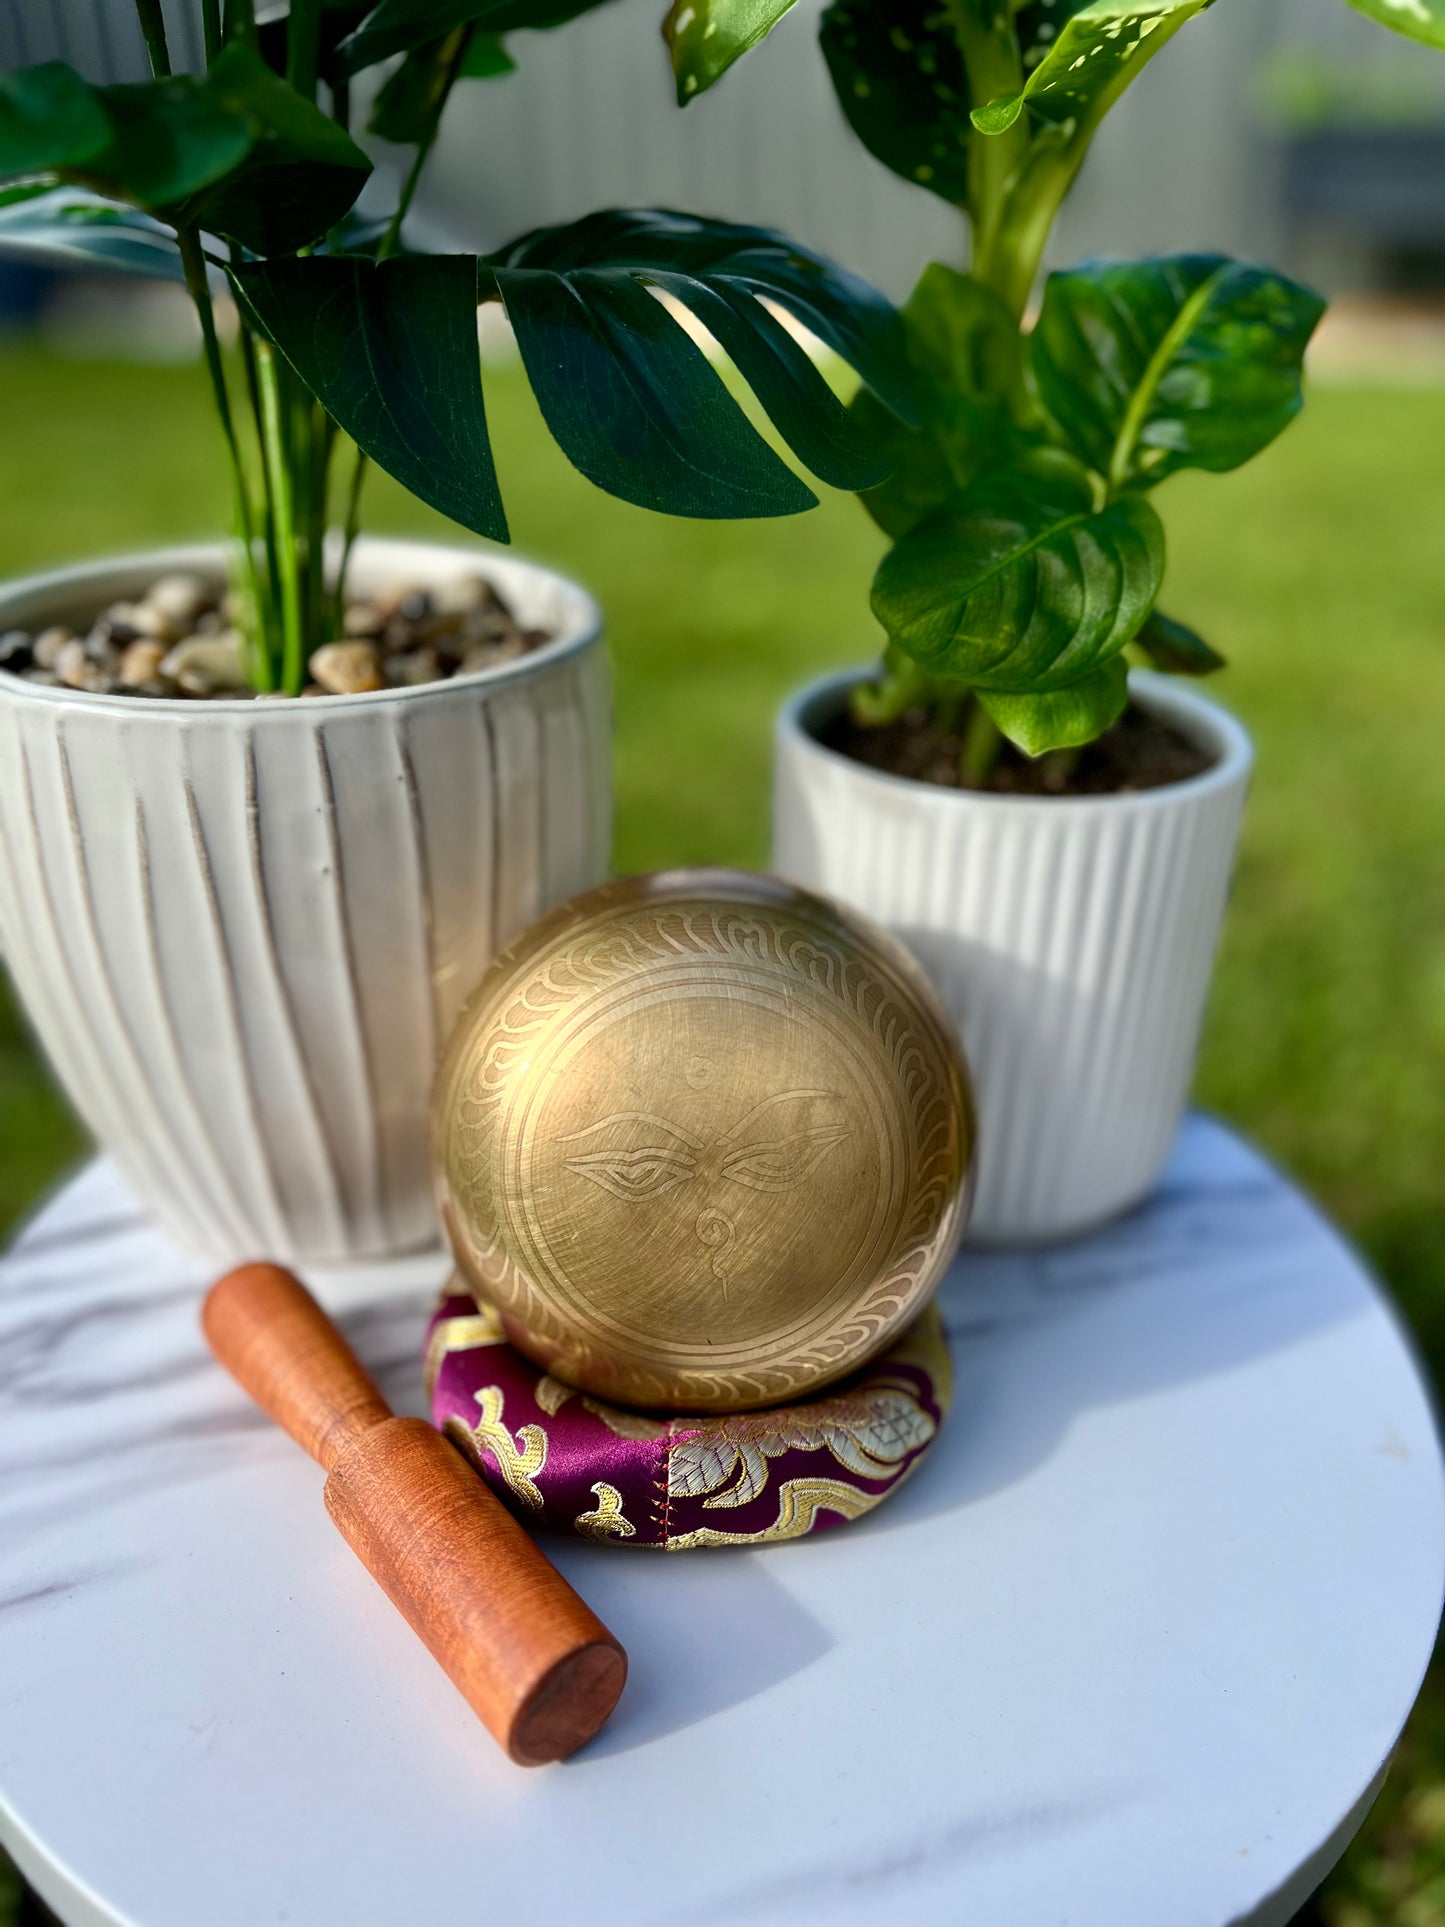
{"points": [[704, 1140]]}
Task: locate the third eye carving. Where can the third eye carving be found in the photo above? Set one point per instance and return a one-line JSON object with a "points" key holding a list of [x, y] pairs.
{"points": [[759, 1154]]}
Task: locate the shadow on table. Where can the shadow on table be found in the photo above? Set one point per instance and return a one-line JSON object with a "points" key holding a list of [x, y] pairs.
{"points": [[694, 1650], [1224, 1264]]}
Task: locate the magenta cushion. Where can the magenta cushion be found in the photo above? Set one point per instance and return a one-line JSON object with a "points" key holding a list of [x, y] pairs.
{"points": [[562, 1459]]}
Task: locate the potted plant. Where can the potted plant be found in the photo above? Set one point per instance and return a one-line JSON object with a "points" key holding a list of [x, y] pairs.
{"points": [[1051, 831], [260, 835]]}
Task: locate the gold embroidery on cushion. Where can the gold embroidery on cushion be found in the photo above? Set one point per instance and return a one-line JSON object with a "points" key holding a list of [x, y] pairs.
{"points": [[924, 1347], [608, 1521], [551, 1394], [869, 1432], [625, 1425], [467, 1333], [799, 1503], [518, 1460]]}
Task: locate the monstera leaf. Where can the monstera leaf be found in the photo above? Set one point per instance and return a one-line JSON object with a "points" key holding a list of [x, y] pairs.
{"points": [[1021, 585], [973, 406], [634, 403], [900, 81], [71, 228], [1090, 61], [1419, 19], [705, 37], [1187, 361], [397, 26], [390, 351]]}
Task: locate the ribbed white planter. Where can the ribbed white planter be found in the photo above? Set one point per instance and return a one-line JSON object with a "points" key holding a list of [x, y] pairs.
{"points": [[241, 930], [1072, 938]]}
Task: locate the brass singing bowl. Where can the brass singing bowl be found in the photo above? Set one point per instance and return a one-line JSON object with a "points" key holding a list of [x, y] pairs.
{"points": [[704, 1140]]}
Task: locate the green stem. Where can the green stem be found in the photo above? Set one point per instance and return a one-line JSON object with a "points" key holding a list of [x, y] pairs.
{"points": [[273, 449], [240, 21], [424, 147], [211, 28], [989, 44], [982, 741], [323, 441], [266, 614], [1044, 177], [303, 45], [153, 32], [1035, 198], [194, 267], [351, 527], [388, 245]]}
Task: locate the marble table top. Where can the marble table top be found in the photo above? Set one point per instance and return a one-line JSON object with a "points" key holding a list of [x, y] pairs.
{"points": [[1133, 1647]]}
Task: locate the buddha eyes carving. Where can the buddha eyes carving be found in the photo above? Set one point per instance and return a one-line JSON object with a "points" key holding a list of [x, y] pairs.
{"points": [[670, 1154], [754, 1154], [633, 1174]]}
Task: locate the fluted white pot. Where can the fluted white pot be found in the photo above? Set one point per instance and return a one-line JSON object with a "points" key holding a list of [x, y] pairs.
{"points": [[241, 930], [1072, 939]]}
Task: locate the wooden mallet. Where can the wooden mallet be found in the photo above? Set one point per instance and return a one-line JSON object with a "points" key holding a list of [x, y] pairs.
{"points": [[530, 1657]]}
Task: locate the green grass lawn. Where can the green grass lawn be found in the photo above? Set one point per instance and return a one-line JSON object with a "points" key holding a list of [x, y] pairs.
{"points": [[1319, 572]]}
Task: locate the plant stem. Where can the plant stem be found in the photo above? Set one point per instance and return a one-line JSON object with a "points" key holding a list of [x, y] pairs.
{"points": [[351, 527], [153, 32], [211, 28], [388, 245], [273, 450], [240, 22], [303, 45], [194, 268], [988, 42], [982, 741]]}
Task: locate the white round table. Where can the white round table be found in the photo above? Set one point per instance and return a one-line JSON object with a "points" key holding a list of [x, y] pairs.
{"points": [[1132, 1647]]}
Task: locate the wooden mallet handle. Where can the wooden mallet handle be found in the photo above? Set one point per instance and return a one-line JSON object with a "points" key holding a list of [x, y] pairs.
{"points": [[529, 1656]]}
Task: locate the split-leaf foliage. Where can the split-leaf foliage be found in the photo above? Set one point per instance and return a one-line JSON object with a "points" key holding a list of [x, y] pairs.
{"points": [[246, 177], [1028, 557]]}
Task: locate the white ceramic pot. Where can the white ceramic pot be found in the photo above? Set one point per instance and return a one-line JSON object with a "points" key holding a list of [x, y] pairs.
{"points": [[242, 930], [1072, 939]]}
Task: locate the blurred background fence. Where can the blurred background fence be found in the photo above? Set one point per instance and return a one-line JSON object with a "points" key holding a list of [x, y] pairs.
{"points": [[1287, 129]]}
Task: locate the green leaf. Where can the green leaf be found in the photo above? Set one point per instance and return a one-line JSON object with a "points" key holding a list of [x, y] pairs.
{"points": [[900, 81], [1185, 361], [1062, 718], [301, 175], [68, 227], [49, 118], [486, 58], [973, 407], [634, 403], [1090, 62], [170, 138], [707, 36], [390, 351], [1020, 584], [406, 106], [1419, 19], [1175, 647], [396, 26], [1038, 23]]}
